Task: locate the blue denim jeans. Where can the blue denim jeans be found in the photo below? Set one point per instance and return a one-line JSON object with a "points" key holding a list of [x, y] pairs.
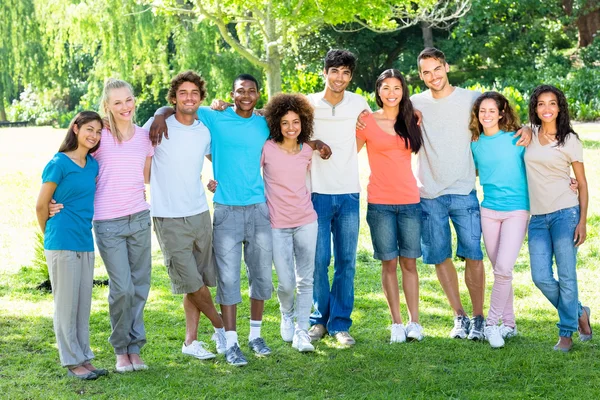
{"points": [[338, 217], [552, 235]]}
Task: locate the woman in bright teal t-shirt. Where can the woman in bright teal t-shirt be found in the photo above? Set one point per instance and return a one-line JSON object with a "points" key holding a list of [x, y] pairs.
{"points": [[70, 178], [505, 207]]}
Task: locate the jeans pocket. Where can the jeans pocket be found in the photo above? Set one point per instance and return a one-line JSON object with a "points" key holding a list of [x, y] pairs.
{"points": [[220, 216], [426, 228], [475, 215], [354, 196]]}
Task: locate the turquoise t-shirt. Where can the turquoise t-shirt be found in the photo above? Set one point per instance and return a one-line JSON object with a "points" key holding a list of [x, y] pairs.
{"points": [[236, 147], [71, 228], [501, 172]]}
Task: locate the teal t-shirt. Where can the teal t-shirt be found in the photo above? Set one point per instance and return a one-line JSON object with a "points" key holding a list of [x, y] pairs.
{"points": [[71, 228], [501, 172], [236, 147]]}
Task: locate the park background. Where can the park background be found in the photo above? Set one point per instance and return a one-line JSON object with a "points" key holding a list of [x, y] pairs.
{"points": [[54, 58]]}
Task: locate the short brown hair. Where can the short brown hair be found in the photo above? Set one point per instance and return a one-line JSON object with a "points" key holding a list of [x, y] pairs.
{"points": [[431, 52], [186, 76], [509, 121]]}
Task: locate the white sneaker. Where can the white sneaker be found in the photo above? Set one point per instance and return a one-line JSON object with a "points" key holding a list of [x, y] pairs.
{"points": [[220, 341], [493, 335], [196, 349], [287, 327], [398, 334], [508, 332], [414, 331], [301, 341]]}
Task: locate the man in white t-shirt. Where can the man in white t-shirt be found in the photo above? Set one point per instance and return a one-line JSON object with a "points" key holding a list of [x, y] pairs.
{"points": [[446, 179], [335, 196], [180, 211]]}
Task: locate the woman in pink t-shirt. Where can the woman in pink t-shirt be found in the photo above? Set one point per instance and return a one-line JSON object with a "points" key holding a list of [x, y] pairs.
{"points": [[122, 221], [394, 212], [286, 159]]}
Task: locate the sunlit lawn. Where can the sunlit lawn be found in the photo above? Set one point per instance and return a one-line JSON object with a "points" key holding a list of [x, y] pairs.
{"points": [[438, 367]]}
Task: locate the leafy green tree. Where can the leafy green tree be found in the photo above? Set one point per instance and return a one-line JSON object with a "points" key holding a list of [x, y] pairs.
{"points": [[22, 57]]}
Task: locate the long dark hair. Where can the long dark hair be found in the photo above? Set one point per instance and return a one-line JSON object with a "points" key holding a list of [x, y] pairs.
{"points": [[406, 124], [509, 121], [563, 121], [70, 143]]}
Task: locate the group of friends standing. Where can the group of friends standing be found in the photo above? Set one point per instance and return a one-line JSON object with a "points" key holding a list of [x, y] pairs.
{"points": [[281, 217]]}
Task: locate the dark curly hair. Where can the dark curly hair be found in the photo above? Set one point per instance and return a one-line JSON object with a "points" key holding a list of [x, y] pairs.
{"points": [[279, 106], [509, 121], [186, 76], [563, 121], [406, 124]]}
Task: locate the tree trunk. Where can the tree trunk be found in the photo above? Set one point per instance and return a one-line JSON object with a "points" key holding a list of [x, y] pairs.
{"points": [[273, 72], [588, 26], [2, 110], [427, 34], [587, 20]]}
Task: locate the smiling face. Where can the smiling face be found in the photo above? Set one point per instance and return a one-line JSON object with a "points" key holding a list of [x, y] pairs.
{"points": [[88, 134], [390, 92], [245, 95], [434, 74], [547, 108], [290, 125], [187, 98], [121, 104], [489, 115], [337, 79]]}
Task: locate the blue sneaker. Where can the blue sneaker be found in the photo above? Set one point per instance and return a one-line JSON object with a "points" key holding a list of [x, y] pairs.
{"points": [[235, 357], [259, 347]]}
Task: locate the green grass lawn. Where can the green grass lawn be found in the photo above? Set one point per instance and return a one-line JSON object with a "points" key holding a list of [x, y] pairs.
{"points": [[437, 367]]}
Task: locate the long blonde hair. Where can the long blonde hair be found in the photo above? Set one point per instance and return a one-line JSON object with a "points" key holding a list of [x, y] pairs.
{"points": [[110, 84]]}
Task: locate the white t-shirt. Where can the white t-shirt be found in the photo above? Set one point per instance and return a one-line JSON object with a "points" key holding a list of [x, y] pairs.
{"points": [[445, 163], [336, 126], [175, 186]]}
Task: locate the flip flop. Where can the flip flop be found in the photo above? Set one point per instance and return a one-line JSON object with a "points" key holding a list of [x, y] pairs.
{"points": [[582, 336]]}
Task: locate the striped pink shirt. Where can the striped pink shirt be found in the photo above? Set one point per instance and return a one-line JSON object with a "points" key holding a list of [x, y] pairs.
{"points": [[120, 189]]}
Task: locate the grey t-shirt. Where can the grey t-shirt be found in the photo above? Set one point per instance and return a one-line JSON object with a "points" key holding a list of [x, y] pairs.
{"points": [[445, 163]]}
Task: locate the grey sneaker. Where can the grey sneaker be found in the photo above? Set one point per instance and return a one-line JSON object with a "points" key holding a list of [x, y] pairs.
{"points": [[477, 327], [286, 327], [507, 331], [235, 357], [316, 332], [220, 341], [259, 347], [345, 339], [461, 327]]}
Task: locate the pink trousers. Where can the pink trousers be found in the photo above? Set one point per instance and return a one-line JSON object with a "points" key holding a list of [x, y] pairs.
{"points": [[503, 234]]}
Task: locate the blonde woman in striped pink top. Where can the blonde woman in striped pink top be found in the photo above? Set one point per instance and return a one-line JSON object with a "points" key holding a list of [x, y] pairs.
{"points": [[122, 221]]}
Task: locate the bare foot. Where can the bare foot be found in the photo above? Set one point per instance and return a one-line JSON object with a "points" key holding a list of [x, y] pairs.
{"points": [[89, 366], [135, 359], [564, 343], [584, 323], [81, 370], [123, 360]]}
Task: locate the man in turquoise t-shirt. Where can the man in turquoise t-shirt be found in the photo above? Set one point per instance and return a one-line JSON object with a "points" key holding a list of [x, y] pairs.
{"points": [[241, 216]]}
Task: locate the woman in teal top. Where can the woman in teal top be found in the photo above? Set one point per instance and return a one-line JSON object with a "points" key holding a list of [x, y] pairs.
{"points": [[70, 178], [505, 207]]}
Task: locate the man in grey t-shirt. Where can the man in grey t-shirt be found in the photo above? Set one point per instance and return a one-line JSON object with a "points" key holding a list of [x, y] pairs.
{"points": [[446, 179]]}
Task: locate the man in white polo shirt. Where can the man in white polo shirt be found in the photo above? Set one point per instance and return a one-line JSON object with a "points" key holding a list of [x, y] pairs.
{"points": [[180, 211], [336, 189]]}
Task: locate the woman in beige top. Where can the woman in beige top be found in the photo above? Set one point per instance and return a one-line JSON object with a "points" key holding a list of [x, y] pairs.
{"points": [[558, 215]]}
